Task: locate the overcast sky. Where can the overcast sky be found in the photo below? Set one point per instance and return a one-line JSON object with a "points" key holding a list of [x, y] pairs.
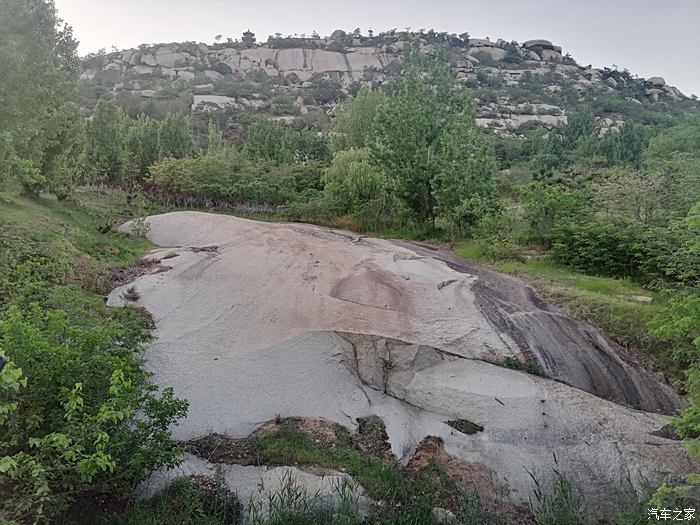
{"points": [[649, 37]]}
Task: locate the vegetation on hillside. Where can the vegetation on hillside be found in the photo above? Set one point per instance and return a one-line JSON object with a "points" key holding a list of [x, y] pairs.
{"points": [[604, 224]]}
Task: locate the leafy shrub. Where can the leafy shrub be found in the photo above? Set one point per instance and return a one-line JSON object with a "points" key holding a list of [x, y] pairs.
{"points": [[78, 414]]}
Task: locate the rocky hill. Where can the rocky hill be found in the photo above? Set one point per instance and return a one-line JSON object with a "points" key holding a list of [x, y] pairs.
{"points": [[514, 84]]}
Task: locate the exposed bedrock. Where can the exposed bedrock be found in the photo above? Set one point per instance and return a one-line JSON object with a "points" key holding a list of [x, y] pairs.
{"points": [[255, 320], [565, 348]]}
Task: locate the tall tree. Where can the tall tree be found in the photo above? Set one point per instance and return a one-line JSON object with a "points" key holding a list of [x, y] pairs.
{"points": [[354, 119], [463, 184], [409, 125], [39, 76], [106, 135], [176, 136], [142, 145]]}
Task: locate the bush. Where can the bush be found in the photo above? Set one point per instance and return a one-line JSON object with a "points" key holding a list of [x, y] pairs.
{"points": [[598, 247], [78, 414]]}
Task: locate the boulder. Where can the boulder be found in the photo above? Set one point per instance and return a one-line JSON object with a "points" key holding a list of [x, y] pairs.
{"points": [[291, 60], [550, 55], [203, 88], [656, 81], [214, 100], [185, 75], [167, 57], [291, 339], [493, 53], [440, 516], [324, 61], [544, 44], [212, 75], [141, 70], [148, 60]]}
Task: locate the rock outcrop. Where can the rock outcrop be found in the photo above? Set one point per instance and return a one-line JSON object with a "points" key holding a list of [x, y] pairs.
{"points": [[297, 66], [297, 320]]}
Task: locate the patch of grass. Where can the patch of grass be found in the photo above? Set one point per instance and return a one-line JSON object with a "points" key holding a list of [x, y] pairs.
{"points": [[78, 222], [184, 502], [516, 364], [289, 447], [561, 503]]}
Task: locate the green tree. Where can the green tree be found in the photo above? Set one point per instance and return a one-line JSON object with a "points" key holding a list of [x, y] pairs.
{"points": [[626, 146], [176, 136], [248, 39], [215, 141], [106, 140], [354, 119], [65, 133], [352, 181], [39, 76], [409, 125], [143, 145], [580, 126], [463, 184]]}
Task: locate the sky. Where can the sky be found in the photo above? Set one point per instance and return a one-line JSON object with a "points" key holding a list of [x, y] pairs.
{"points": [[648, 37]]}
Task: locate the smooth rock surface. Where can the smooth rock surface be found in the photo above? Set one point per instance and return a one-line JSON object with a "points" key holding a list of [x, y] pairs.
{"points": [[297, 320]]}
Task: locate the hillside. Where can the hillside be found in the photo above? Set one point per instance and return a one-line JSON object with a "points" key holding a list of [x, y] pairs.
{"points": [[363, 280], [514, 84]]}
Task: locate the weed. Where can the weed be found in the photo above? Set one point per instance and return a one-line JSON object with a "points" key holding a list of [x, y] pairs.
{"points": [[516, 364], [561, 503]]}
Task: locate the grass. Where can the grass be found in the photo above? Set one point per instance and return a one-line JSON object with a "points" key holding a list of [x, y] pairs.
{"points": [[184, 502], [290, 447], [85, 223], [407, 495], [605, 302]]}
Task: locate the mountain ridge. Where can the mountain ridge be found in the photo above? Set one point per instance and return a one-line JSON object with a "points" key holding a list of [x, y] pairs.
{"points": [[514, 84]]}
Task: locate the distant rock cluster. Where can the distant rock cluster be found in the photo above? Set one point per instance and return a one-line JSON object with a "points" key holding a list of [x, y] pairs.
{"points": [[350, 61]]}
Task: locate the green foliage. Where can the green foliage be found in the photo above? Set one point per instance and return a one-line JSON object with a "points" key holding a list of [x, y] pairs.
{"points": [[516, 364], [142, 146], [105, 147], [184, 502], [546, 207], [354, 119], [176, 136], [78, 414], [38, 86], [561, 503], [352, 183], [409, 125], [463, 185], [626, 146], [278, 143], [208, 174], [679, 323], [580, 126]]}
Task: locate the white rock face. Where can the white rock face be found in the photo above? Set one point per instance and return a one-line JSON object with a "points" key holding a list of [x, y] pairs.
{"points": [[297, 320], [148, 60], [494, 53], [656, 81], [546, 44], [216, 100], [550, 55]]}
